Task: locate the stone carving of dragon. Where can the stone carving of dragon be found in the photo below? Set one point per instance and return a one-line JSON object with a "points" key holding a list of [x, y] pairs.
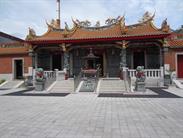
{"points": [[164, 26], [85, 23], [110, 20], [31, 34], [66, 26], [97, 24], [53, 24], [147, 16]]}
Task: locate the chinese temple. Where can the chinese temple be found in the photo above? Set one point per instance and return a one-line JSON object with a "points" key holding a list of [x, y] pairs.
{"points": [[112, 46], [116, 45]]}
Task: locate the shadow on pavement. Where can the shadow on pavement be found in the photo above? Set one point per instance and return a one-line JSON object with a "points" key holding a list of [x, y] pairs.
{"points": [[159, 94]]}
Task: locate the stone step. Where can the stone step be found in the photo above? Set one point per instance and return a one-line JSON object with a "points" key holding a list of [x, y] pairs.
{"points": [[63, 86], [12, 84], [113, 85], [112, 88], [149, 82]]}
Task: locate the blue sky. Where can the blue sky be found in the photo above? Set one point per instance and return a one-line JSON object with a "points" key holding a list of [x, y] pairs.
{"points": [[17, 15]]}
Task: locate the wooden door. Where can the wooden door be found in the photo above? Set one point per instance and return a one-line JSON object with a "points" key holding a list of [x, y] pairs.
{"points": [[180, 66], [138, 59]]}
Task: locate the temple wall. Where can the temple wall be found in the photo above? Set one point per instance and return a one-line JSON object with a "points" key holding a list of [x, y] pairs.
{"points": [[8, 76], [6, 64], [170, 57]]}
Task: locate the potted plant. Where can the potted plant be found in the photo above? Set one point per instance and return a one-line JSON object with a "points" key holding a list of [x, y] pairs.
{"points": [[40, 79]]}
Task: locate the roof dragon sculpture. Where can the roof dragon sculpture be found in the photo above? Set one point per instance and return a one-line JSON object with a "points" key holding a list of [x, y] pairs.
{"points": [[85, 23], [31, 34], [164, 26], [110, 20], [53, 24], [122, 24], [146, 17]]}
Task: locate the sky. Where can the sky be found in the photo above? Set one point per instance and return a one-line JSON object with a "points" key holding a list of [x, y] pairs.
{"points": [[16, 16]]}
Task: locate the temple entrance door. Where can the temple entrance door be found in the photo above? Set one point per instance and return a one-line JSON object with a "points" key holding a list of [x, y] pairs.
{"points": [[57, 62], [18, 69], [138, 59], [180, 65]]}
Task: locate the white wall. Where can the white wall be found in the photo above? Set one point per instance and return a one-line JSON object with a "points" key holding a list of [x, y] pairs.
{"points": [[6, 76]]}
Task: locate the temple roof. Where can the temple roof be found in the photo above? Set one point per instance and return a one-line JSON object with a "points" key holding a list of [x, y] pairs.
{"points": [[175, 43], [79, 33], [6, 38], [15, 50], [113, 28], [11, 45]]}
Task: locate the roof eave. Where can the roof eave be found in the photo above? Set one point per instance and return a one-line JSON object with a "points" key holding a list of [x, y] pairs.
{"points": [[81, 40], [11, 37]]}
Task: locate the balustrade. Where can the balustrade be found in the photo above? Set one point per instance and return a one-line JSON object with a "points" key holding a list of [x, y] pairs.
{"points": [[150, 73]]}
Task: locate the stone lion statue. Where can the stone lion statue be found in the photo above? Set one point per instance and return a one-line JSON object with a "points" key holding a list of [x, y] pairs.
{"points": [[140, 75]]}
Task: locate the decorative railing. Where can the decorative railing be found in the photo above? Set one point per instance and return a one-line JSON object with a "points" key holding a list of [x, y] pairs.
{"points": [[50, 78], [50, 74], [150, 73]]}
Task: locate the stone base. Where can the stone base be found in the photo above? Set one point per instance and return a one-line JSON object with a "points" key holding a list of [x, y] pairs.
{"points": [[140, 86], [39, 86]]}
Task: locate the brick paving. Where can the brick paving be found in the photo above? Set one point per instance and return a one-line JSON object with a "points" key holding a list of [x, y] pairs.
{"points": [[85, 115]]}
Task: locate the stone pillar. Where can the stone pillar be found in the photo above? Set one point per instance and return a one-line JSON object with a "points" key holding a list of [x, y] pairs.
{"points": [[51, 62], [123, 60], [161, 81], [164, 50], [66, 64], [161, 57], [66, 61], [104, 65], [71, 64], [123, 57], [31, 70], [56, 74], [35, 60]]}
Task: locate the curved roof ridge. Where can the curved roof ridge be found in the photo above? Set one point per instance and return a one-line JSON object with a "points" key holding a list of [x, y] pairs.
{"points": [[100, 27], [144, 22]]}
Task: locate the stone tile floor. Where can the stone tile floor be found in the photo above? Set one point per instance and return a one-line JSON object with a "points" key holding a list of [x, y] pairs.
{"points": [[84, 115]]}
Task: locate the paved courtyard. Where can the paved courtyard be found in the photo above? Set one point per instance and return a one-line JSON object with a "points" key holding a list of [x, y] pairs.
{"points": [[85, 115]]}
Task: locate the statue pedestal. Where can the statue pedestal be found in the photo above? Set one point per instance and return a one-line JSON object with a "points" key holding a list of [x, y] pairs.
{"points": [[140, 86], [39, 86]]}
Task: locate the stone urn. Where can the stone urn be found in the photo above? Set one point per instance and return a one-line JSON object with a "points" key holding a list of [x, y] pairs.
{"points": [[140, 79]]}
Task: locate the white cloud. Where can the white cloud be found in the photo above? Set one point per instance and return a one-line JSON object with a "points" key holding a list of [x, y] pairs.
{"points": [[18, 15]]}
